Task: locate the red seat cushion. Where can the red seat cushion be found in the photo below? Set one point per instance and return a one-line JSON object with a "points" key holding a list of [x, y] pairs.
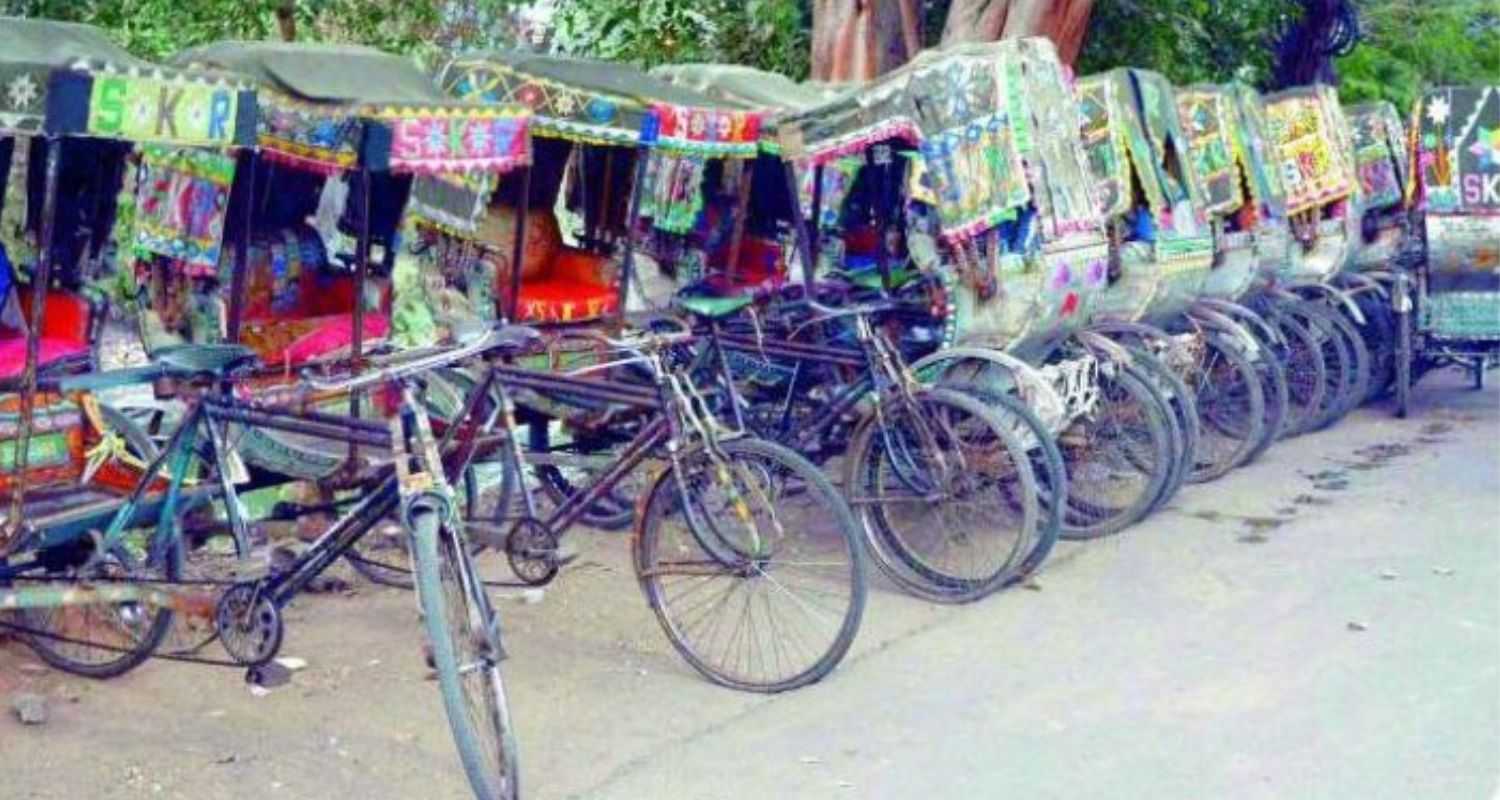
{"points": [[52, 349], [332, 334], [65, 316], [566, 300]]}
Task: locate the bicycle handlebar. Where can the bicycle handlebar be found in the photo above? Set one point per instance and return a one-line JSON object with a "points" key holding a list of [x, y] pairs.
{"points": [[492, 339]]}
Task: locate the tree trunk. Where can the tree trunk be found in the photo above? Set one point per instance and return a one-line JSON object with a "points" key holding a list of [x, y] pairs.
{"points": [[1062, 21], [860, 39], [286, 20]]}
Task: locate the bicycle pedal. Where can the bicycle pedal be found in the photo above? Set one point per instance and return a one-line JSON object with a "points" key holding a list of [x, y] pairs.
{"points": [[268, 675]]}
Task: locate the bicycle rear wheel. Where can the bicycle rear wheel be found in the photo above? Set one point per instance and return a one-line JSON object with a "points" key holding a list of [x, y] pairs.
{"points": [[946, 494], [464, 636], [1046, 464], [752, 563], [1182, 422], [1118, 457], [1306, 374], [1231, 408], [1277, 399], [108, 639], [1362, 364]]}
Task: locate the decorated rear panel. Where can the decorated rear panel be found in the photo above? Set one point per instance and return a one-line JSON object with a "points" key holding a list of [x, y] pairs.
{"points": [[1308, 150]]}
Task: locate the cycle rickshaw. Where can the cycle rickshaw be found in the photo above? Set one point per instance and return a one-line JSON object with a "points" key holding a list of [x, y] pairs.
{"points": [[1450, 301]]}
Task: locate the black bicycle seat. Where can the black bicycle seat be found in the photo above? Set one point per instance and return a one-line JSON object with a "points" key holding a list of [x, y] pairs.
{"points": [[192, 360]]}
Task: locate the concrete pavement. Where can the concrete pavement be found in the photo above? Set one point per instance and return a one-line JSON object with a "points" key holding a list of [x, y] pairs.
{"points": [[1322, 624]]}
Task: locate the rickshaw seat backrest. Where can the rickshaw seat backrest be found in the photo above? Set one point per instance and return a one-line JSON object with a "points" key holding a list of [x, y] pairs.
{"points": [[65, 316]]}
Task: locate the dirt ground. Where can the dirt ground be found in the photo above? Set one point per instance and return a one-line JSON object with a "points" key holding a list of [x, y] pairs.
{"points": [[1324, 623]]}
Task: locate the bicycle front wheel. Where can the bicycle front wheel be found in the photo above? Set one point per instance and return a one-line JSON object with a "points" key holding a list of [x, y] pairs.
{"points": [[464, 636], [752, 563]]}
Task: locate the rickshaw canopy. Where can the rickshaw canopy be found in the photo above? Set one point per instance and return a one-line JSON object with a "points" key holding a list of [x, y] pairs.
{"points": [[65, 79], [1208, 115], [750, 87], [1379, 153], [1129, 117], [1308, 148], [605, 103], [1456, 150], [1255, 148], [330, 108]]}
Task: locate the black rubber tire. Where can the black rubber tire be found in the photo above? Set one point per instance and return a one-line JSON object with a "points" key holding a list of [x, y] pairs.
{"points": [[1277, 396], [1212, 463], [492, 767], [1046, 464], [1302, 362], [907, 566], [50, 650], [1363, 363], [1405, 355], [1338, 361], [1183, 419], [665, 497], [1129, 395], [610, 513]]}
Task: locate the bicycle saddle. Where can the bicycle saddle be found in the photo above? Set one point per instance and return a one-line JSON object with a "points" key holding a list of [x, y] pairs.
{"points": [[714, 307], [191, 360], [515, 339]]}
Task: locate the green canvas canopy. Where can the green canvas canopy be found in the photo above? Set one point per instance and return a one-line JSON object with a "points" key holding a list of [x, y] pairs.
{"points": [[1456, 150], [333, 107], [750, 87], [64, 79], [963, 109], [605, 103]]}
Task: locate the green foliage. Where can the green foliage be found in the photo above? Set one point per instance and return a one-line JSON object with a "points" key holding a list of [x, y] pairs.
{"points": [[1188, 41], [770, 34], [1409, 45], [155, 29]]}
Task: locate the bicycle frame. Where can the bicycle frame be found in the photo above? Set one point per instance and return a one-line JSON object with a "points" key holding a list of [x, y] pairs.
{"points": [[880, 364]]}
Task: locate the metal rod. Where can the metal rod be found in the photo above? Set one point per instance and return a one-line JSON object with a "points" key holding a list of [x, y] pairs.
{"points": [[815, 231], [590, 222], [590, 389], [361, 275], [633, 208], [736, 238], [880, 156], [799, 226], [843, 356], [321, 430], [518, 248], [39, 281], [601, 226], [248, 164], [369, 425], [638, 450]]}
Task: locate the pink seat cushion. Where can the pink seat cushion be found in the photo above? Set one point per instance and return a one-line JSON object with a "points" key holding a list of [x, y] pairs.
{"points": [[335, 333], [13, 353]]}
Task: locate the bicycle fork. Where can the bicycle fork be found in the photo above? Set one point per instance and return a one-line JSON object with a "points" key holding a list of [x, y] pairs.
{"points": [[424, 488]]}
